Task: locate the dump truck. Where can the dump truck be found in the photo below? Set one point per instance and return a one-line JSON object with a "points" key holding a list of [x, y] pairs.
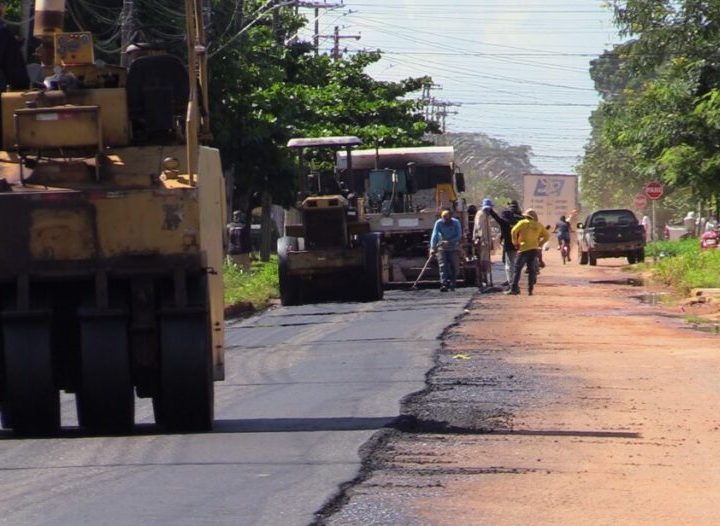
{"points": [[112, 240], [404, 190], [328, 252]]}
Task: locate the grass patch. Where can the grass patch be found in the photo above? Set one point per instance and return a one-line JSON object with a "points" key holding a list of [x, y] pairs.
{"points": [[257, 286], [683, 266], [698, 320]]}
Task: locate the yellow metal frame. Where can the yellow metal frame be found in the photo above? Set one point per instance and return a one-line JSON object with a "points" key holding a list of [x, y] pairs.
{"points": [[48, 128]]}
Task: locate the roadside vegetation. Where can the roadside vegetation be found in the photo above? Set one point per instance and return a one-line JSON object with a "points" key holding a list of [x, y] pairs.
{"points": [[682, 265], [252, 289]]}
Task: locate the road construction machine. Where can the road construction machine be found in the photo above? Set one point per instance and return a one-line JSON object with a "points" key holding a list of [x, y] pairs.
{"points": [[405, 190], [328, 252], [112, 238]]}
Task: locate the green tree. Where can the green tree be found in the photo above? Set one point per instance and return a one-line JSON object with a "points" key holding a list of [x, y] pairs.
{"points": [[657, 119], [266, 92]]}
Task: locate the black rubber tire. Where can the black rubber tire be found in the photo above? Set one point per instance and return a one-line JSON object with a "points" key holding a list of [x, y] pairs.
{"points": [[290, 286], [470, 275], [371, 285], [157, 410], [592, 260], [631, 258], [4, 413], [5, 420], [31, 402], [640, 257], [583, 258], [186, 383], [105, 398]]}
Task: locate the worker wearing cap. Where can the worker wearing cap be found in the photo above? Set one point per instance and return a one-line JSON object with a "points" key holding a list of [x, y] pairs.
{"points": [[528, 235], [445, 243], [13, 72], [483, 243]]}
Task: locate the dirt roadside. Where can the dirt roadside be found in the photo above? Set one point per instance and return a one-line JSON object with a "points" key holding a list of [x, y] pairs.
{"points": [[578, 405]]}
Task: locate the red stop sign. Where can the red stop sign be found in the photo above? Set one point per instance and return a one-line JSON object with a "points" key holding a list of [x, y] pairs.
{"points": [[654, 190]]}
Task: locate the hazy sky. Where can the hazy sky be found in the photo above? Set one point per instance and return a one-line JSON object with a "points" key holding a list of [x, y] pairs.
{"points": [[517, 68]]}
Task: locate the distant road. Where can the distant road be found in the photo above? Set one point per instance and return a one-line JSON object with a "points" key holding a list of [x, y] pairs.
{"points": [[306, 387]]}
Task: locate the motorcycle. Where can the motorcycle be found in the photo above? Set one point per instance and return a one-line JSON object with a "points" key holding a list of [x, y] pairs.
{"points": [[709, 240]]}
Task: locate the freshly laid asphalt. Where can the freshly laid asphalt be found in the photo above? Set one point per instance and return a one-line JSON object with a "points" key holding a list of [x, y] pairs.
{"points": [[305, 388]]}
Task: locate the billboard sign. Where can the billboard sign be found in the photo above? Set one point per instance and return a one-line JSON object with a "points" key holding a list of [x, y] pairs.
{"points": [[550, 195]]}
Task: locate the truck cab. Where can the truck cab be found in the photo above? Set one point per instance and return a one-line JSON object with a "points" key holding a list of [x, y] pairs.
{"points": [[611, 233]]}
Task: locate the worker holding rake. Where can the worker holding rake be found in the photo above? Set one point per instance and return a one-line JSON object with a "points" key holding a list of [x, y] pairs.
{"points": [[445, 244]]}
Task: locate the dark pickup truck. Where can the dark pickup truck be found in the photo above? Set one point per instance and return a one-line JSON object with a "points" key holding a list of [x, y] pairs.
{"points": [[611, 234]]}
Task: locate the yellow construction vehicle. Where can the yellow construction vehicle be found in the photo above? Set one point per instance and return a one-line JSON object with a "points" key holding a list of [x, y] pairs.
{"points": [[328, 251], [112, 218]]}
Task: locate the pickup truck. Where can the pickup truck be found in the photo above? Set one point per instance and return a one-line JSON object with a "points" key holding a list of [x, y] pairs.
{"points": [[611, 234]]}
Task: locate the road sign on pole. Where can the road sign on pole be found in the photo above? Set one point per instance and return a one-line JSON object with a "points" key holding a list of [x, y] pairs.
{"points": [[640, 201], [654, 190]]}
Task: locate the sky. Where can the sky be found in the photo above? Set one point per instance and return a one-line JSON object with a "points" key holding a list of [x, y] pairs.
{"points": [[518, 70]]}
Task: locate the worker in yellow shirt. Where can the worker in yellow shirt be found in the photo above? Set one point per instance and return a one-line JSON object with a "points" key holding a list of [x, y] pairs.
{"points": [[528, 235]]}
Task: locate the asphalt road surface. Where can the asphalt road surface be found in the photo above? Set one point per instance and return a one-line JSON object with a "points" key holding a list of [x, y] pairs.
{"points": [[305, 388]]}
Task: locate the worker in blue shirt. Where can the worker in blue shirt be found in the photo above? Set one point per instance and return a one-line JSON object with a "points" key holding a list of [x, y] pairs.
{"points": [[445, 245]]}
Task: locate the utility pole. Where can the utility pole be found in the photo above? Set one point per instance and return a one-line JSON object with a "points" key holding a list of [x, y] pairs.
{"points": [[127, 29], [428, 100], [436, 110], [442, 112], [26, 12], [317, 6], [336, 36]]}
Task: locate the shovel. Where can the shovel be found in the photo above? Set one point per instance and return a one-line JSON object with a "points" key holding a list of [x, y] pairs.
{"points": [[414, 285]]}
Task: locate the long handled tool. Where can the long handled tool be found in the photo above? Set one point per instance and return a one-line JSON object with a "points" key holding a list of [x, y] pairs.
{"points": [[487, 263], [425, 266]]}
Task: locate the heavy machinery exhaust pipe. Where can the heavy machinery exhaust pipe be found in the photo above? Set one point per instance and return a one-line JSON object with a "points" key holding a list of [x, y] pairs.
{"points": [[49, 18]]}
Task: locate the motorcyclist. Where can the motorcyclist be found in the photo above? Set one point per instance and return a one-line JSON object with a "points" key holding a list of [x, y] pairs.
{"points": [[562, 232]]}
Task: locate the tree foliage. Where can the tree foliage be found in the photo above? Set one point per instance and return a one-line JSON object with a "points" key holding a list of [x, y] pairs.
{"points": [[266, 92], [493, 168], [660, 114]]}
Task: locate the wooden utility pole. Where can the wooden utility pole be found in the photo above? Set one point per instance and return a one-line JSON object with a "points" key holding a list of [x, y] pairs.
{"points": [[266, 225], [127, 29], [317, 6], [428, 100], [26, 12], [436, 110], [442, 112], [336, 36]]}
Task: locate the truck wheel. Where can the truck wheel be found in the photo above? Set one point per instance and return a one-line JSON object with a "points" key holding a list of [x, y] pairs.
{"points": [[470, 275], [372, 285], [592, 259], [31, 402], [631, 258], [583, 258], [5, 417], [186, 398], [105, 399], [640, 255], [290, 286]]}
